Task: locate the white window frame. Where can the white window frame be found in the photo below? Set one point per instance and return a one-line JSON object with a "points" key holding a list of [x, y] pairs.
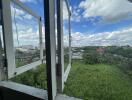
{"points": [[1, 63], [50, 44], [56, 77], [12, 70], [61, 74], [66, 72]]}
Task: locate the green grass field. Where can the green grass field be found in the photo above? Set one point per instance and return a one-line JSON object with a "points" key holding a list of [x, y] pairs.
{"points": [[88, 82], [98, 82]]}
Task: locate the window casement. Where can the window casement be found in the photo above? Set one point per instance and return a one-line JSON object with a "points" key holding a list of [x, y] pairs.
{"points": [[12, 68], [63, 68], [56, 74]]}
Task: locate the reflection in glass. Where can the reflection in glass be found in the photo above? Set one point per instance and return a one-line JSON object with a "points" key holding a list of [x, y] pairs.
{"points": [[2, 53], [35, 77], [25, 35], [66, 35], [27, 47]]}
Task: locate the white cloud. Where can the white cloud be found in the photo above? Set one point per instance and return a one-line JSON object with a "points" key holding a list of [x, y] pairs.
{"points": [[1, 36], [65, 36], [109, 10], [31, 1], [122, 37], [16, 12], [19, 13], [76, 17], [27, 35], [26, 27], [65, 12], [27, 16]]}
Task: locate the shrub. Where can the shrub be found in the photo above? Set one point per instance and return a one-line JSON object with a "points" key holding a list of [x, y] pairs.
{"points": [[90, 58]]}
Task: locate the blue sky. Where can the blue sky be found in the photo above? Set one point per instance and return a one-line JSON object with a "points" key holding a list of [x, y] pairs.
{"points": [[95, 22]]}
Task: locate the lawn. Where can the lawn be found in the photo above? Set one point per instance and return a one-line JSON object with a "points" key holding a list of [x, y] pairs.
{"points": [[98, 82]]}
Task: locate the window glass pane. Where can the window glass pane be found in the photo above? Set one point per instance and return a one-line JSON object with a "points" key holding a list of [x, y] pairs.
{"points": [[25, 36], [35, 77], [27, 46], [2, 53], [66, 34]]}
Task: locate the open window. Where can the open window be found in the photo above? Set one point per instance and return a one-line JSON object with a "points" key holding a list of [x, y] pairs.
{"points": [[2, 49], [23, 51], [66, 38], [23, 38]]}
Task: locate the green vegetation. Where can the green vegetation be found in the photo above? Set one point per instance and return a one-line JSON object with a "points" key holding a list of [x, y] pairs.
{"points": [[98, 82], [66, 57], [19, 63], [125, 51], [104, 73], [26, 57], [35, 77]]}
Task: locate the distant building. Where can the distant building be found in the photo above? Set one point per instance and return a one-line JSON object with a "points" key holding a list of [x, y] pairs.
{"points": [[77, 55], [100, 50]]}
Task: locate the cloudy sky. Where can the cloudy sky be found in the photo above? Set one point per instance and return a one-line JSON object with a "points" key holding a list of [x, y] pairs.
{"points": [[25, 26], [94, 22]]}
